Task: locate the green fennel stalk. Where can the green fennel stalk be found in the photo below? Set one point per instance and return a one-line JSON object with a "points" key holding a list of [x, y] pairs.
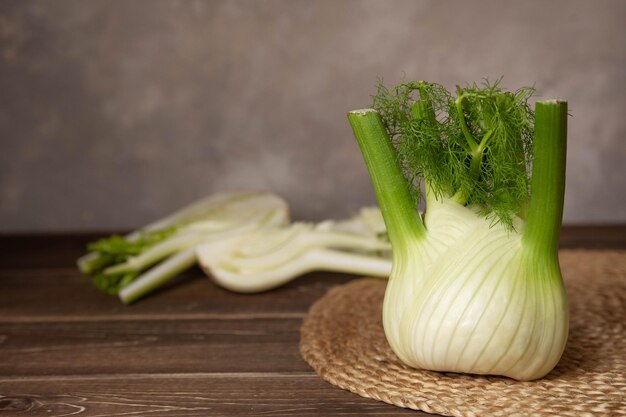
{"points": [[543, 224]]}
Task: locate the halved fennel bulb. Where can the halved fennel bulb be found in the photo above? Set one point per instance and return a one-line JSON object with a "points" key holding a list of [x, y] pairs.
{"points": [[267, 258]]}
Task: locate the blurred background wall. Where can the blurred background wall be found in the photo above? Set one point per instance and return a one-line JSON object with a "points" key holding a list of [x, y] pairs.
{"points": [[114, 113]]}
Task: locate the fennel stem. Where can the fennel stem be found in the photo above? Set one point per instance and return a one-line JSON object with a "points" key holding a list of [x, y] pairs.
{"points": [[158, 275], [391, 187], [475, 150], [471, 142], [545, 212]]}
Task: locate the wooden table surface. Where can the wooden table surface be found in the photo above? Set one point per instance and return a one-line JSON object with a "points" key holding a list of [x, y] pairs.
{"points": [[192, 349]]}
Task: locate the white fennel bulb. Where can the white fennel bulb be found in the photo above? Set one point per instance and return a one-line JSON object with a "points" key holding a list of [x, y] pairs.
{"points": [[476, 285], [472, 298]]}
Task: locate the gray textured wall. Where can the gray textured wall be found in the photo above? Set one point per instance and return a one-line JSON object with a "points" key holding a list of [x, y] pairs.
{"points": [[113, 113]]}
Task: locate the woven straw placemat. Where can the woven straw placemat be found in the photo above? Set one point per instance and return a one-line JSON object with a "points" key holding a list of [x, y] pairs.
{"points": [[342, 339]]}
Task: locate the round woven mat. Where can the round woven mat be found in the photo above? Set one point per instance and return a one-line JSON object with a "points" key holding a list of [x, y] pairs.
{"points": [[342, 339]]}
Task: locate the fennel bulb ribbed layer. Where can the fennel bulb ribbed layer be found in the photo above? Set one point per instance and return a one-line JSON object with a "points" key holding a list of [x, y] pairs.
{"points": [[471, 297]]}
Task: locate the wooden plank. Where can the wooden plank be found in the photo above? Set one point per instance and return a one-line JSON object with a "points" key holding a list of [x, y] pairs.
{"points": [[112, 347], [191, 349], [186, 395], [594, 237], [44, 250], [64, 294]]}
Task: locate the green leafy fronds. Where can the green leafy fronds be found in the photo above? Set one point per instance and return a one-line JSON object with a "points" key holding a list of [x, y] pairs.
{"points": [[415, 128], [474, 147]]}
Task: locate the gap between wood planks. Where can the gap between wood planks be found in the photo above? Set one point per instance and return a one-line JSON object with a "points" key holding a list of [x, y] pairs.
{"points": [[150, 317], [178, 375]]}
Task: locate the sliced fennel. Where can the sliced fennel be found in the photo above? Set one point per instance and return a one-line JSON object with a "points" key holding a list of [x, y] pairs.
{"points": [[119, 261], [267, 258], [246, 242], [213, 213], [476, 285], [187, 257]]}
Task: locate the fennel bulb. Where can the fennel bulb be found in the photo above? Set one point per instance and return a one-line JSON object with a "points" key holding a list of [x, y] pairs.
{"points": [[476, 285]]}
